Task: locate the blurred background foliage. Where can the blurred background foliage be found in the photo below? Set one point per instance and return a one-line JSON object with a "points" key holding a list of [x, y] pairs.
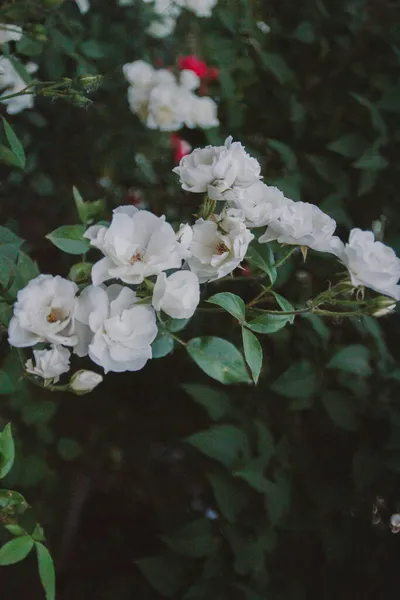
{"points": [[163, 483]]}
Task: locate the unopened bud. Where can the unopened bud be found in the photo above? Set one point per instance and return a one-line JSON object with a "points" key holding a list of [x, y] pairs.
{"points": [[83, 382], [90, 83], [80, 272], [383, 306]]}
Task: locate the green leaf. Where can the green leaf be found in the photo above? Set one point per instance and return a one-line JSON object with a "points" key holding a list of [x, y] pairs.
{"points": [[228, 495], [225, 443], [340, 409], [8, 157], [175, 325], [216, 402], [298, 382], [11, 498], [263, 258], [15, 144], [7, 451], [46, 571], [376, 118], [6, 385], [278, 66], [27, 268], [265, 443], [194, 540], [268, 323], [219, 359], [352, 359], [15, 550], [7, 271], [231, 303], [305, 33], [278, 499], [253, 353], [163, 344], [88, 211], [5, 313], [372, 160], [69, 238], [351, 145], [288, 156], [164, 573], [69, 449], [285, 305]]}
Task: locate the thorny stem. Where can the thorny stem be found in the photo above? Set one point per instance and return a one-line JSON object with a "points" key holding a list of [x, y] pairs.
{"points": [[284, 258]]}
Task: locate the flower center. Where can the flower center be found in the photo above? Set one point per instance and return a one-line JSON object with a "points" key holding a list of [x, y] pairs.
{"points": [[221, 248], [54, 315], [136, 257]]}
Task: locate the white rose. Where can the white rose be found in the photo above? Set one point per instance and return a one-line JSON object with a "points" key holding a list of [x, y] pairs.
{"points": [[259, 202], [138, 100], [83, 382], [49, 364], [177, 295], [201, 8], [302, 224], [9, 33], [204, 112], [371, 264], [185, 237], [14, 83], [163, 76], [136, 245], [44, 312], [214, 252], [162, 27], [189, 79], [217, 169], [121, 330], [138, 73], [169, 105]]}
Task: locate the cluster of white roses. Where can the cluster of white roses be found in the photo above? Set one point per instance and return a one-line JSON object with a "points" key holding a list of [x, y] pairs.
{"points": [[166, 103], [115, 325], [168, 11], [10, 80], [227, 173]]}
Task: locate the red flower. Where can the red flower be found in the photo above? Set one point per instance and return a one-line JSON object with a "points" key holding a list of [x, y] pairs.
{"points": [[180, 147], [193, 63]]}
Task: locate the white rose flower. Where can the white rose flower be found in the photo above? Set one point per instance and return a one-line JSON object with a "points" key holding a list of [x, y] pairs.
{"points": [[162, 27], [371, 264], [169, 105], [9, 33], [204, 112], [138, 73], [138, 100], [259, 202], [201, 8], [185, 237], [121, 330], [137, 244], [44, 312], [163, 76], [302, 224], [189, 79], [49, 364], [217, 169], [215, 252], [83, 381], [10, 79], [177, 295]]}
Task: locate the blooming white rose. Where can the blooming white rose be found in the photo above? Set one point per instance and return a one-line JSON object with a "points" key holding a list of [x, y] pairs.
{"points": [[201, 8], [259, 202], [121, 330], [83, 381], [44, 312], [189, 79], [10, 79], [138, 73], [169, 107], [302, 224], [216, 252], [217, 169], [137, 244], [185, 237], [371, 264], [177, 295], [9, 33], [163, 76], [49, 364], [204, 112]]}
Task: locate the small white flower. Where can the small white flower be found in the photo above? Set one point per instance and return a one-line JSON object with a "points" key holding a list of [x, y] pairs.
{"points": [[44, 312], [395, 523], [9, 33], [83, 6], [371, 264], [263, 27], [120, 331], [10, 79], [136, 245], [49, 364], [259, 202], [177, 295], [185, 237], [138, 73], [215, 252], [302, 224], [83, 381], [204, 112], [217, 169], [168, 106], [201, 8], [189, 80]]}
